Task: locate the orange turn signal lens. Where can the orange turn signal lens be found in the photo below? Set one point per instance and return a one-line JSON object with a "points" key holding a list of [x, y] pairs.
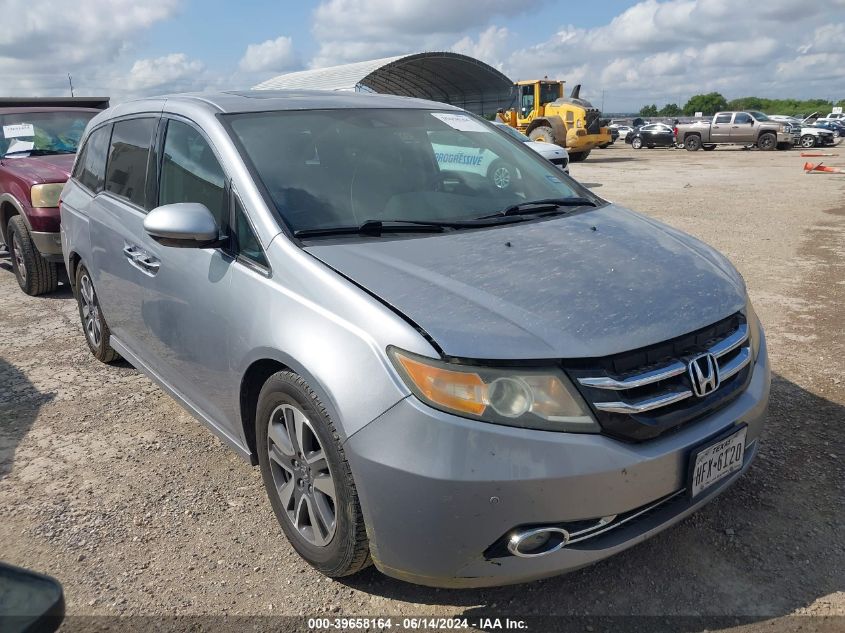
{"points": [[457, 390]]}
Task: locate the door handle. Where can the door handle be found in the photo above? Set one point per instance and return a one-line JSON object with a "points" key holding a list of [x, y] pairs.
{"points": [[140, 259]]}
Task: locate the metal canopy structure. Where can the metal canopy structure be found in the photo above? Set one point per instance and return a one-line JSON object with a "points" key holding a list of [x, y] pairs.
{"points": [[440, 76]]}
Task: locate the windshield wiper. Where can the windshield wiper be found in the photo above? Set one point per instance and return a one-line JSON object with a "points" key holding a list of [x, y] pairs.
{"points": [[540, 206], [375, 228], [39, 152]]}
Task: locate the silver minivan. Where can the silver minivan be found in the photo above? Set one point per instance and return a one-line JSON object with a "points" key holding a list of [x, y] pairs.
{"points": [[466, 380]]}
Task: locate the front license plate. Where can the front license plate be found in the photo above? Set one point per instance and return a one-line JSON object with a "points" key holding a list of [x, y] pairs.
{"points": [[716, 461]]}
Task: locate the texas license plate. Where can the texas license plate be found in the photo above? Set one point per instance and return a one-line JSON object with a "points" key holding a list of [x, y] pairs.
{"points": [[716, 461]]}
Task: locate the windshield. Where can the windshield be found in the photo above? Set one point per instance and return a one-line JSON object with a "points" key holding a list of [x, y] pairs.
{"points": [[519, 136], [759, 115], [329, 168], [42, 132]]}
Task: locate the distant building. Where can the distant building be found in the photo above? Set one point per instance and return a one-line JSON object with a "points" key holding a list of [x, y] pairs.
{"points": [[440, 76]]}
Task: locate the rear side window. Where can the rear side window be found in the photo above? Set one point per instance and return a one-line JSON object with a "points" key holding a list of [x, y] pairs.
{"points": [[191, 173], [723, 118], [126, 174], [90, 170]]}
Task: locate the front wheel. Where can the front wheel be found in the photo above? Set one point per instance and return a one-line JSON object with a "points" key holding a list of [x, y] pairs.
{"points": [[97, 332], [767, 142], [307, 477], [542, 134], [808, 141], [35, 275], [637, 143]]}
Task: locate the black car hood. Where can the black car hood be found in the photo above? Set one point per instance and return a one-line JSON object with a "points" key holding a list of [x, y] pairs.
{"points": [[590, 284]]}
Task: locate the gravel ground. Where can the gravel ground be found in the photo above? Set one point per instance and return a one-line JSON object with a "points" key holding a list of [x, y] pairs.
{"points": [[106, 484]]}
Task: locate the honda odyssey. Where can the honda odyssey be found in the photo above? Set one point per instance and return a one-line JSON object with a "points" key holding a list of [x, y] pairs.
{"points": [[464, 380]]}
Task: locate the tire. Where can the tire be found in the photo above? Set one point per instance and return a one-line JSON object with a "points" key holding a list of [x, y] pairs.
{"points": [[692, 143], [708, 148], [767, 142], [332, 537], [94, 326], [542, 133], [808, 141], [501, 174], [579, 157], [637, 143], [35, 275]]}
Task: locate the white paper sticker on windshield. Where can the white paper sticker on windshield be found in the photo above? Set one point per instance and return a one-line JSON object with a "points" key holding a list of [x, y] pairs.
{"points": [[18, 130], [460, 122], [20, 146]]}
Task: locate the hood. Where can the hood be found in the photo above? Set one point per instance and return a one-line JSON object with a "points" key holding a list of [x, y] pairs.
{"points": [[547, 289], [547, 150], [41, 169]]}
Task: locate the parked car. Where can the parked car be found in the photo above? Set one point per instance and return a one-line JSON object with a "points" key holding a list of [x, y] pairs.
{"points": [[737, 128], [809, 134], [555, 154], [651, 135], [37, 149], [623, 131], [465, 384], [834, 116], [832, 126]]}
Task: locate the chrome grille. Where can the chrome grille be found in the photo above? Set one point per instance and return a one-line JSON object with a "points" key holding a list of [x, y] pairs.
{"points": [[639, 395]]}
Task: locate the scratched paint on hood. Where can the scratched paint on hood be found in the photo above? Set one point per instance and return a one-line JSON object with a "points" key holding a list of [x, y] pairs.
{"points": [[555, 288]]}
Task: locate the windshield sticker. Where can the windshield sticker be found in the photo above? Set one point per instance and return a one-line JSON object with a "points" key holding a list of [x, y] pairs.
{"points": [[460, 122], [553, 179], [18, 130], [20, 146]]}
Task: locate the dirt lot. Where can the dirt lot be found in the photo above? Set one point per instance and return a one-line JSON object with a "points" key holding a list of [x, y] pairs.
{"points": [[108, 485]]}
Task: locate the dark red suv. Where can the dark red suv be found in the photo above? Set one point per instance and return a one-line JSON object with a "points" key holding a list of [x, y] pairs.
{"points": [[38, 140]]}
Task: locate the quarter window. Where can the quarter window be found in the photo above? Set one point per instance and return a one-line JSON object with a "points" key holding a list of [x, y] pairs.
{"points": [[191, 173], [90, 169], [126, 174], [246, 243]]}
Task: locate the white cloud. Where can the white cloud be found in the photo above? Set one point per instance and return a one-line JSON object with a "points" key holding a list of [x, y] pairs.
{"points": [[170, 73], [41, 41], [275, 55], [355, 30], [489, 47]]}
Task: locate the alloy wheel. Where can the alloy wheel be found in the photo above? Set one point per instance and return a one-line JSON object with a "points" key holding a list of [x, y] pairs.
{"points": [[301, 474], [17, 254], [808, 141], [502, 177], [91, 320]]}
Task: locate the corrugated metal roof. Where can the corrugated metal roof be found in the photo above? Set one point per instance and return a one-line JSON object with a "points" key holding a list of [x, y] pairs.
{"points": [[440, 76]]}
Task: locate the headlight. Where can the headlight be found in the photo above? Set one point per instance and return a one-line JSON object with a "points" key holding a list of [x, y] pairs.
{"points": [[530, 398], [753, 328], [46, 195]]}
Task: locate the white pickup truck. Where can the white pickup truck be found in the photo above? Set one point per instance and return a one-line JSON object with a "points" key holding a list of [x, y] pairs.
{"points": [[736, 128]]}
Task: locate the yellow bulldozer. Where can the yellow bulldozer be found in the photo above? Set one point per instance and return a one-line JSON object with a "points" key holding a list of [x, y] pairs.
{"points": [[544, 114]]}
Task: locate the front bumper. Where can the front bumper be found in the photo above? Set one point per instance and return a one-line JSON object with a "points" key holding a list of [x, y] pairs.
{"points": [[438, 490], [49, 244]]}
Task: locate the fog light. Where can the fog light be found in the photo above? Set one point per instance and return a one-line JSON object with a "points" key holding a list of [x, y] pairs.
{"points": [[537, 542]]}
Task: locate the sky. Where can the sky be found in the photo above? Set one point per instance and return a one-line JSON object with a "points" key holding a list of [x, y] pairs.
{"points": [[626, 54]]}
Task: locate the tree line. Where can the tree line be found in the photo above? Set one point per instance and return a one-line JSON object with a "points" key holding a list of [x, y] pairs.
{"points": [[713, 102]]}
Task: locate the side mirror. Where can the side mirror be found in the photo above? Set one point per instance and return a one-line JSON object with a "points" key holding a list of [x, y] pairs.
{"points": [[29, 601], [183, 225]]}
